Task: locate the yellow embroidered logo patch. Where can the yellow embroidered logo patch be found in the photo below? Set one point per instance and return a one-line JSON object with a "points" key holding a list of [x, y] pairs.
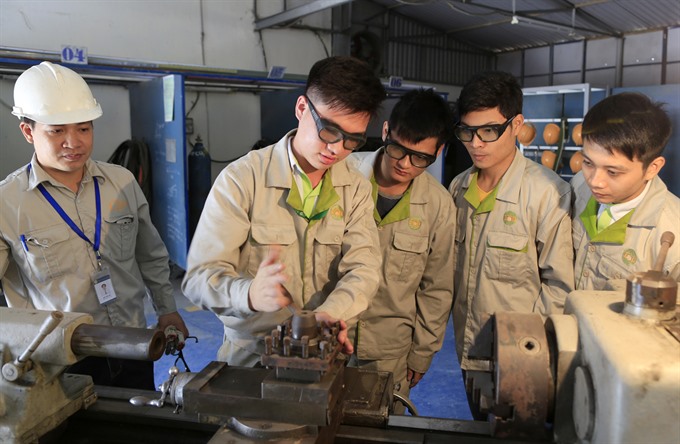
{"points": [[629, 256], [509, 218], [415, 223], [337, 212]]}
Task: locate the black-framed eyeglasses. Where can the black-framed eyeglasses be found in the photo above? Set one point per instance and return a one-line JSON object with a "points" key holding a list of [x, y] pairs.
{"points": [[398, 151], [486, 133], [330, 133]]}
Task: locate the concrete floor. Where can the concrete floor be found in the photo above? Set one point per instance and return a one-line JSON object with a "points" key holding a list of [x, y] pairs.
{"points": [[439, 394]]}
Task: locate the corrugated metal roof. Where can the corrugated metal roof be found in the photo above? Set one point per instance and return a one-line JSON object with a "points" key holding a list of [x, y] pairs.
{"points": [[492, 25]]}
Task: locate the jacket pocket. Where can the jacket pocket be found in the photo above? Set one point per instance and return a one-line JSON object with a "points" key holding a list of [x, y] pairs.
{"points": [[50, 254], [121, 236], [406, 257], [506, 256], [608, 269], [328, 253], [263, 238]]}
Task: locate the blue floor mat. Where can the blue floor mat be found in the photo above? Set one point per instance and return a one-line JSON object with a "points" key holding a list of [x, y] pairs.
{"points": [[441, 393]]}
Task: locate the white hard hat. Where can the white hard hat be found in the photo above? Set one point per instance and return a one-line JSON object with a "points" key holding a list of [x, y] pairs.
{"points": [[54, 95]]}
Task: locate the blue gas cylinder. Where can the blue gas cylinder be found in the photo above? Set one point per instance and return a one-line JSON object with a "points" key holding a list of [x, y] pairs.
{"points": [[199, 182]]}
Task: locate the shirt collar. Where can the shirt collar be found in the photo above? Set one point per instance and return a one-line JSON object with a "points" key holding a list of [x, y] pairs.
{"points": [[294, 165], [299, 176], [38, 175], [509, 186], [619, 210]]}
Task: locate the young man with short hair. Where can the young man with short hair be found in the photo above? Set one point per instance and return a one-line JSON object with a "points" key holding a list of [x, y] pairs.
{"points": [[404, 326], [292, 223], [513, 236], [621, 206]]}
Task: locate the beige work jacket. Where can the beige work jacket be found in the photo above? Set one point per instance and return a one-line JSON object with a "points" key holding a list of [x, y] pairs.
{"points": [[516, 257], [53, 269], [616, 253], [332, 263], [409, 313]]}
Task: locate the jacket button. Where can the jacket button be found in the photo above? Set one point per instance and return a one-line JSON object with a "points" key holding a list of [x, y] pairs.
{"points": [[591, 248], [586, 273]]}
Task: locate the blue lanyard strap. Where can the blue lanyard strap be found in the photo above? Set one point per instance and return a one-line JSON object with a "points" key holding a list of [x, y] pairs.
{"points": [[69, 221]]}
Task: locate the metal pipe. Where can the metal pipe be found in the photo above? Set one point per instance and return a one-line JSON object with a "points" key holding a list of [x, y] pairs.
{"points": [[118, 342], [129, 68]]}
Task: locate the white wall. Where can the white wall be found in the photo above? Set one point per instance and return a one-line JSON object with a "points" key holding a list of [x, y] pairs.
{"points": [[166, 31], [214, 33]]}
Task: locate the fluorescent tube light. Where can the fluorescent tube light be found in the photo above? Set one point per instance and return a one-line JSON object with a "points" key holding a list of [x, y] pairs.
{"points": [[539, 24]]}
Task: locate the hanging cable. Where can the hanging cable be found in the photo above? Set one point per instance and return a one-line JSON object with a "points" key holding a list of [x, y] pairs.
{"points": [[134, 155], [229, 160]]}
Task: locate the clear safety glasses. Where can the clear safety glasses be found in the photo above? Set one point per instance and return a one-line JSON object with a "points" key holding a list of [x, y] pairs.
{"points": [[330, 133], [485, 133], [398, 151]]}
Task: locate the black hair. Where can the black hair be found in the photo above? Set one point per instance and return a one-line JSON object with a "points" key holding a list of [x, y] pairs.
{"points": [[629, 123], [421, 114], [345, 83], [489, 90]]}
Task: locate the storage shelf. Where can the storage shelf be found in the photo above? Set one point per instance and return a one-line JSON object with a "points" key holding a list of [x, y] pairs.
{"points": [[546, 110]]}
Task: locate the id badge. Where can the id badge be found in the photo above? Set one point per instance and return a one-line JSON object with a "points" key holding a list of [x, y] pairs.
{"points": [[103, 286]]}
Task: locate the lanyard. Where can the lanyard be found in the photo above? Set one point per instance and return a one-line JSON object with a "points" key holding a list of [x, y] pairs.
{"points": [[74, 227]]}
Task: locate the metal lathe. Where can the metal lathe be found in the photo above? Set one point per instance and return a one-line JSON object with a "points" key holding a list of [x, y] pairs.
{"points": [[607, 370]]}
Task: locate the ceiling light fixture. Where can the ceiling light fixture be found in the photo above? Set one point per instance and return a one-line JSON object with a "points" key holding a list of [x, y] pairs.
{"points": [[539, 24], [415, 2]]}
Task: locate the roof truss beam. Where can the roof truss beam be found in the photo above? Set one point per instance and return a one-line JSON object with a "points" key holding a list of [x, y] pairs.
{"points": [[291, 15]]}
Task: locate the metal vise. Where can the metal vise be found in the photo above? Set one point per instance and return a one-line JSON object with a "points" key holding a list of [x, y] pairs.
{"points": [[37, 346]]}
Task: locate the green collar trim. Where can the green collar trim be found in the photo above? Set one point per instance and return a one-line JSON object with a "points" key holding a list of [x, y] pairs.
{"points": [[327, 197], [401, 211], [294, 200], [472, 196], [613, 234]]}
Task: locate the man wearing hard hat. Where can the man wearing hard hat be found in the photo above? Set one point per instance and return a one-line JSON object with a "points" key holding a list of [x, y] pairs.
{"points": [[76, 234]]}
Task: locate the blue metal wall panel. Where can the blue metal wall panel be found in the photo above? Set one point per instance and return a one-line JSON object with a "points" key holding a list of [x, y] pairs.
{"points": [[166, 140]]}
